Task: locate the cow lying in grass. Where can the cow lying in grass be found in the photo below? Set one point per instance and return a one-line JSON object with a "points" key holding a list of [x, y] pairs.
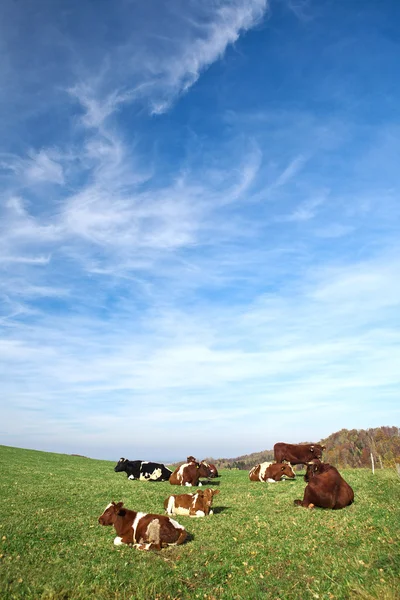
{"points": [[144, 470], [271, 472], [193, 505], [212, 468], [326, 488], [189, 473], [143, 531]]}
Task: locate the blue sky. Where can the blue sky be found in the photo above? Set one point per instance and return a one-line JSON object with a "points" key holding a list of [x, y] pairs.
{"points": [[199, 224]]}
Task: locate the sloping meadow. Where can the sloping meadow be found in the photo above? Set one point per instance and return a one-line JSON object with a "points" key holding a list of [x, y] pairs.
{"points": [[256, 545]]}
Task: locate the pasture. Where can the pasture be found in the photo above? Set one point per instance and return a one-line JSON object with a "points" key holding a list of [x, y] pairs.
{"points": [[256, 545]]}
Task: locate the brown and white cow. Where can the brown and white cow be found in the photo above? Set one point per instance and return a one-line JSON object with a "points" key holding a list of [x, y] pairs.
{"points": [[326, 488], [194, 505], [189, 474], [297, 454], [212, 468], [271, 472], [142, 530]]}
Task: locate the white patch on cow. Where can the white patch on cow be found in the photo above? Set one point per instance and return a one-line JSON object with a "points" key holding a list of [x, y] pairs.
{"points": [[200, 513], [200, 484], [107, 507], [144, 477], [118, 541], [180, 472], [263, 467], [188, 484], [171, 505], [156, 474], [153, 531], [135, 523], [176, 524], [131, 477], [145, 462], [179, 510], [269, 480], [211, 512]]}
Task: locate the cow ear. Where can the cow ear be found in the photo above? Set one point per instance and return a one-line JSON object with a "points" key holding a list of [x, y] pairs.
{"points": [[119, 505], [215, 492]]}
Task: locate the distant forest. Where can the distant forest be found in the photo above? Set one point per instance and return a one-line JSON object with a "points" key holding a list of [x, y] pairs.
{"points": [[345, 448]]}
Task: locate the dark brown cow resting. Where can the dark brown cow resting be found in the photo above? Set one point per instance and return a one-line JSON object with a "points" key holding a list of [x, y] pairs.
{"points": [[326, 488], [297, 454], [142, 530], [194, 505], [271, 472], [189, 474]]}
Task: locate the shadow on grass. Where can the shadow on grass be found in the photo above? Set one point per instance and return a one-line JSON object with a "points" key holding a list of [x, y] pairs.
{"points": [[220, 509], [211, 483]]}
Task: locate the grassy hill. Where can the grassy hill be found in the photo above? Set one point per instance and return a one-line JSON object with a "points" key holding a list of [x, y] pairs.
{"points": [[257, 545]]}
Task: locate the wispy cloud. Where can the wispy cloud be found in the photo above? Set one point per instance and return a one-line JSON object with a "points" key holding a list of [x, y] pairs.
{"points": [[196, 253]]}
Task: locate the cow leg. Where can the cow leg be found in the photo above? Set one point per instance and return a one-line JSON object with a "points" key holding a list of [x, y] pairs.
{"points": [[306, 500], [149, 546]]}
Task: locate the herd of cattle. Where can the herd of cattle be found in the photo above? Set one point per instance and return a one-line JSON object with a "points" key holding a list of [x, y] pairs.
{"points": [[325, 488]]}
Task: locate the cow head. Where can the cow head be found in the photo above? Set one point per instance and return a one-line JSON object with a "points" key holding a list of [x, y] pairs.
{"points": [[120, 466], [287, 471], [191, 459], [208, 496], [203, 470], [317, 450], [111, 512], [212, 468], [313, 467]]}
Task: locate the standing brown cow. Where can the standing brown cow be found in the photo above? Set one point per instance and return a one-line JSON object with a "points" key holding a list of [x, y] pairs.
{"points": [[297, 454]]}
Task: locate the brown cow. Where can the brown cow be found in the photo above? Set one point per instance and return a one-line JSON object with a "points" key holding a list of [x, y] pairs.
{"points": [[189, 474], [142, 530], [194, 505], [326, 488], [212, 468], [297, 454], [271, 472]]}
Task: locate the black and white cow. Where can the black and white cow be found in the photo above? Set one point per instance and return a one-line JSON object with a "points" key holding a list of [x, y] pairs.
{"points": [[143, 470]]}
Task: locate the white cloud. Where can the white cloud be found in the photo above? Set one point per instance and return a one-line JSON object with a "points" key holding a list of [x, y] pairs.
{"points": [[143, 272], [43, 167]]}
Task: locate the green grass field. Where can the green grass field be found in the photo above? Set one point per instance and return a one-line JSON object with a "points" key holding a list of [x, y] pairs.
{"points": [[256, 545]]}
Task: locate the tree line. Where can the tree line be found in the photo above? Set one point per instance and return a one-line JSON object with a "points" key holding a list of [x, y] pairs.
{"points": [[347, 448]]}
